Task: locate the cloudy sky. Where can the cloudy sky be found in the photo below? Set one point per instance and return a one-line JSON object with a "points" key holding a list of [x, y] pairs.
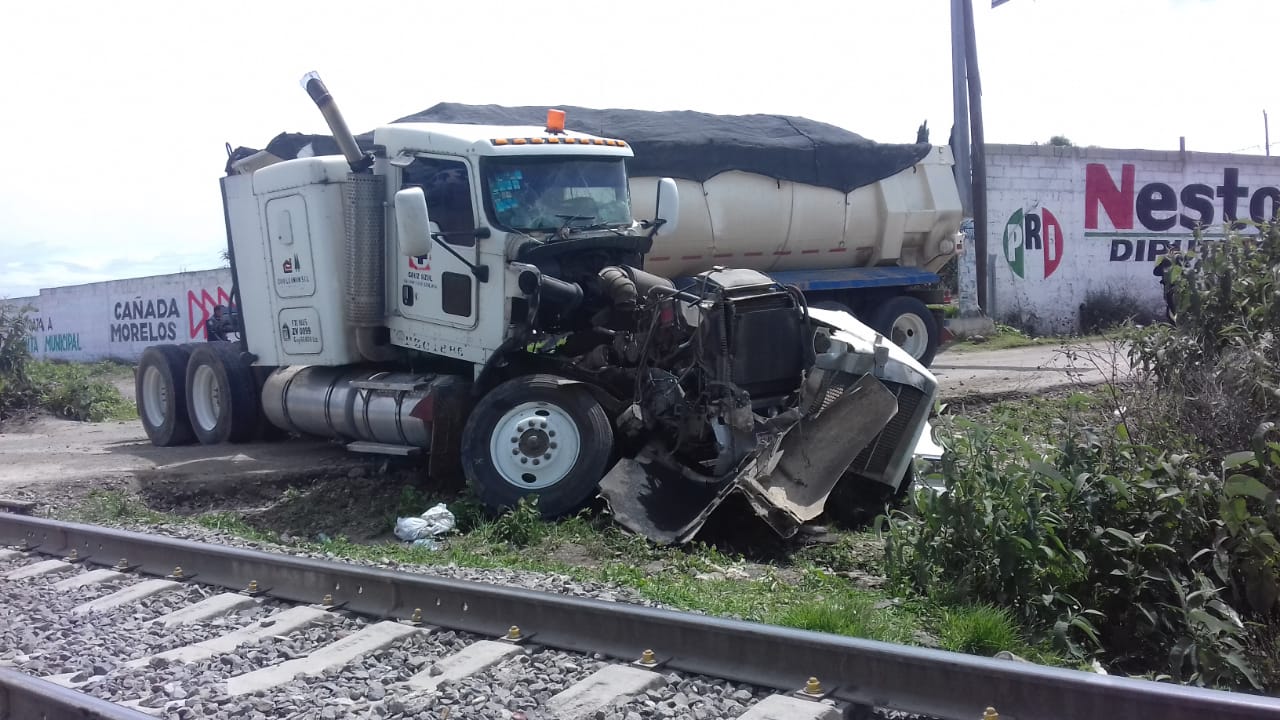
{"points": [[114, 116]]}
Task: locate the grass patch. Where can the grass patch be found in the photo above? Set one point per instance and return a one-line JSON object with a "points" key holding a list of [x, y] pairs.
{"points": [[805, 593], [114, 506], [852, 615], [979, 630], [1007, 337]]}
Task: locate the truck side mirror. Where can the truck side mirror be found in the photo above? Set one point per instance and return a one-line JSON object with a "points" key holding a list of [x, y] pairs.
{"points": [[667, 210], [413, 227]]}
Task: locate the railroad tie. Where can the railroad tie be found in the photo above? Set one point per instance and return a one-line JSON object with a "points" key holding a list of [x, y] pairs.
{"points": [[44, 567], [472, 659], [600, 690], [124, 596], [282, 623], [7, 555], [783, 707], [334, 655], [93, 577], [208, 608]]}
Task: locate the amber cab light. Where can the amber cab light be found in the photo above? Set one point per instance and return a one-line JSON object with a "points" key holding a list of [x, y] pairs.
{"points": [[555, 121]]}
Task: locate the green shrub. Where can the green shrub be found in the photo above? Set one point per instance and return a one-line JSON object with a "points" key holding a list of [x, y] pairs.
{"points": [[74, 391], [16, 392], [1098, 546], [520, 526], [71, 391], [1146, 535]]}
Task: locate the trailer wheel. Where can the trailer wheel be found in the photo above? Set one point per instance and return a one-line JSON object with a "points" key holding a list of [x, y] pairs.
{"points": [[910, 325], [222, 398], [160, 392], [535, 436]]}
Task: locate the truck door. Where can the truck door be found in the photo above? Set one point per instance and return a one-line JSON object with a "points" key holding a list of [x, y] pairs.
{"points": [[438, 287]]}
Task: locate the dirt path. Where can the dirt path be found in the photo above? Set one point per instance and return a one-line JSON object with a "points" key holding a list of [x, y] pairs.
{"points": [[1027, 371]]}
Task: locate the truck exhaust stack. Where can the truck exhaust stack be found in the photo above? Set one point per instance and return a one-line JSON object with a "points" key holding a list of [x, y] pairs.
{"points": [[315, 87]]}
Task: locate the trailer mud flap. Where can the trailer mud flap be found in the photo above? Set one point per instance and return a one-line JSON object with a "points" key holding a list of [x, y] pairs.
{"points": [[786, 482]]}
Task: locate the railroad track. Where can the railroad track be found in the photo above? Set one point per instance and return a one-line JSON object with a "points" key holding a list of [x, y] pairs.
{"points": [[125, 625]]}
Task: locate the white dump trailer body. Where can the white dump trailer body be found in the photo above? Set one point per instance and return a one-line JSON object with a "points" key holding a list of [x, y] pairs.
{"points": [[741, 219]]}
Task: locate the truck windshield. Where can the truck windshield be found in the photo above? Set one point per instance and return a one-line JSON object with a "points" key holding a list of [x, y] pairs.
{"points": [[548, 193]]}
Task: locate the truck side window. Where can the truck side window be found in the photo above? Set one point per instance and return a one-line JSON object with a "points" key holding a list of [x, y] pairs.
{"points": [[448, 191]]}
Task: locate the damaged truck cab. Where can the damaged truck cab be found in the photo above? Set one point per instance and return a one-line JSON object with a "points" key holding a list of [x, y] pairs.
{"points": [[478, 293]]}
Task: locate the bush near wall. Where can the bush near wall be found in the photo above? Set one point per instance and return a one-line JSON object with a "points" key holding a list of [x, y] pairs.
{"points": [[66, 390], [1139, 525]]}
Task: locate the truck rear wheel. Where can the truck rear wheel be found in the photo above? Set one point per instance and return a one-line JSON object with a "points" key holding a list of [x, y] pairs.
{"points": [[222, 398], [535, 436], [160, 390], [908, 323]]}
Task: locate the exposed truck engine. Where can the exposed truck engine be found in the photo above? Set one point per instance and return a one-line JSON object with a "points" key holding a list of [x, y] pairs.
{"points": [[478, 294]]}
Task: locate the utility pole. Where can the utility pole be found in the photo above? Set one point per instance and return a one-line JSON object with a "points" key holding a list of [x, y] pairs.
{"points": [[960, 101], [979, 155]]}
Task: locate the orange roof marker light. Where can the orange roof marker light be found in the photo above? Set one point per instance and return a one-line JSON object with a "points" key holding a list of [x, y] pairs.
{"points": [[555, 122]]}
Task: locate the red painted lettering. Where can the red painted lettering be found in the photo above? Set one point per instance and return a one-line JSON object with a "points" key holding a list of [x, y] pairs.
{"points": [[1100, 189]]}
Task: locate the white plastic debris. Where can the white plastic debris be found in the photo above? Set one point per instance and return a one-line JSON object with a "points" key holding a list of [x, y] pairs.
{"points": [[420, 530]]}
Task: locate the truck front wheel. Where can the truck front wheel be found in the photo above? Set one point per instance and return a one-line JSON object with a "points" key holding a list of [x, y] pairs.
{"points": [[908, 323], [535, 436]]}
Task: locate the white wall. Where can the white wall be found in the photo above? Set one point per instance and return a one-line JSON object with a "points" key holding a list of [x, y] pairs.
{"points": [[120, 318], [1101, 226]]}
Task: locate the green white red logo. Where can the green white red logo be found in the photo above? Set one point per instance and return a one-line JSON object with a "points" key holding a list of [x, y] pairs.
{"points": [[1028, 231]]}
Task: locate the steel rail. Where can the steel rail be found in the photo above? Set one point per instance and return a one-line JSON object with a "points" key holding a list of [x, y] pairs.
{"points": [[865, 672], [23, 697]]}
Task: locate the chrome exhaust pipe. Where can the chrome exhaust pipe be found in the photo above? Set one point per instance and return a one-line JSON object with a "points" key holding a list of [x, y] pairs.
{"points": [[315, 87]]}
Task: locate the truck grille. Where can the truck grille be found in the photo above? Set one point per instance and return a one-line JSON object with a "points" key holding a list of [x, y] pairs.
{"points": [[875, 458]]}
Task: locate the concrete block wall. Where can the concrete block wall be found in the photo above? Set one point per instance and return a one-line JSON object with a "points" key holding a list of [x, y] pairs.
{"points": [[1069, 223], [120, 318]]}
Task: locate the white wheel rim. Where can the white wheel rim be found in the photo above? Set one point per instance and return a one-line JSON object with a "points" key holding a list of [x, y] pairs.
{"points": [[206, 397], [155, 396], [535, 445], [910, 334]]}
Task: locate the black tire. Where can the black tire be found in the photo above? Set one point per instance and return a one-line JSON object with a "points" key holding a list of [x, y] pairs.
{"points": [[266, 432], [888, 314], [579, 483], [164, 417], [234, 417]]}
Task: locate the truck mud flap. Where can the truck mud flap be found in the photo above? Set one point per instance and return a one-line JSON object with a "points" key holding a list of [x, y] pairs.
{"points": [[787, 483]]}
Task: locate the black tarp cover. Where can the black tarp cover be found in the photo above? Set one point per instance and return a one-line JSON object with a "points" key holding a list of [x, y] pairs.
{"points": [[687, 144]]}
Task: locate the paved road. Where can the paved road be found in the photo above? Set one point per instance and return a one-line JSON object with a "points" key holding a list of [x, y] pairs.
{"points": [[1028, 370]]}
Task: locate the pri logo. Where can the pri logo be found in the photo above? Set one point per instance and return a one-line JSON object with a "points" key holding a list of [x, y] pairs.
{"points": [[1032, 231]]}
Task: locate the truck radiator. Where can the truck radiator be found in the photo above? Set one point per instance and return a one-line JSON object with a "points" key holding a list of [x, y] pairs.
{"points": [[874, 459], [366, 263]]}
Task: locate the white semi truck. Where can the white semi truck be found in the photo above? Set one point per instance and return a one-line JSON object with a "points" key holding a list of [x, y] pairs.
{"points": [[479, 294]]}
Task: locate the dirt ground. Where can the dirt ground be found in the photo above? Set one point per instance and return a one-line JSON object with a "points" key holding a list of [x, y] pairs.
{"points": [[49, 460]]}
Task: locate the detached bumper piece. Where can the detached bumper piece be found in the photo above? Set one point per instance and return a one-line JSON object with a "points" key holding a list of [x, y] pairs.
{"points": [[786, 480]]}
